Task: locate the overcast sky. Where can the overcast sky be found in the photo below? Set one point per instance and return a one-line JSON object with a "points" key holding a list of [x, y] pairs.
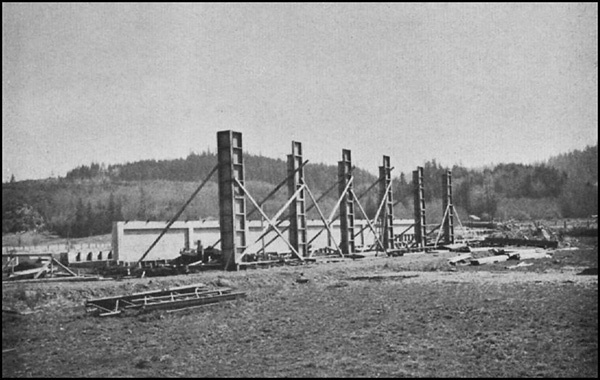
{"points": [[469, 84]]}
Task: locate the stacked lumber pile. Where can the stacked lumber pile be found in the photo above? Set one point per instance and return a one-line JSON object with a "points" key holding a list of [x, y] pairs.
{"points": [[533, 235], [172, 299]]}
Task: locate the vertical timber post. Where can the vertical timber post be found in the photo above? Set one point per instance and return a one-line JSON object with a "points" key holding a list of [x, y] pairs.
{"points": [[448, 222], [347, 204], [297, 230], [387, 218], [232, 200], [419, 195]]}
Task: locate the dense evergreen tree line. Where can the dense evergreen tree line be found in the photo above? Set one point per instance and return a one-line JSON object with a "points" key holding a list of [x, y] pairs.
{"points": [[579, 195], [195, 167], [89, 198], [89, 220]]}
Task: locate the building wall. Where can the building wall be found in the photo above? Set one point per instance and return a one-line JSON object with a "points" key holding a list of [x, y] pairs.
{"points": [[131, 239], [87, 254], [68, 253]]}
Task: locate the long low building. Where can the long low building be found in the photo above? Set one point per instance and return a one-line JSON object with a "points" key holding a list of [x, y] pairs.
{"points": [[131, 239]]}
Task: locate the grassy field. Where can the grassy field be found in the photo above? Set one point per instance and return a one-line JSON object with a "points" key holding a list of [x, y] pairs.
{"points": [[411, 316]]}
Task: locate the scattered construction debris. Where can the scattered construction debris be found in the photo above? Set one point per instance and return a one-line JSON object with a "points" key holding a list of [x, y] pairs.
{"points": [[489, 260], [169, 299], [45, 268], [460, 258], [488, 255], [533, 234], [238, 250], [528, 254], [500, 241]]}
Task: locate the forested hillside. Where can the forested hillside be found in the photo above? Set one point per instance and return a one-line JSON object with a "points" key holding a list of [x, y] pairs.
{"points": [[89, 198], [580, 190]]}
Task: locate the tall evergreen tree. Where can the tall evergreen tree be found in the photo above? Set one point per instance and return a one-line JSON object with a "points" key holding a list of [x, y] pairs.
{"points": [[115, 212], [90, 220], [143, 204], [80, 219]]}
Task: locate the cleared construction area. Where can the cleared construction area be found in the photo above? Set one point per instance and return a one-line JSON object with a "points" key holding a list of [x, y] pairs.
{"points": [[234, 241]]}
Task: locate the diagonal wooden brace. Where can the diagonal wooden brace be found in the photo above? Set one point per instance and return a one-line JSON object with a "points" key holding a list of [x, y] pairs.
{"points": [[268, 221], [267, 229], [335, 208], [378, 211], [440, 231], [370, 225], [324, 220]]}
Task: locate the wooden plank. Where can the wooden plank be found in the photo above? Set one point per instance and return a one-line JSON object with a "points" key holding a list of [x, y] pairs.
{"points": [[522, 242], [383, 276], [190, 288], [109, 313], [200, 263], [43, 271], [194, 301], [261, 262], [455, 259], [56, 279], [333, 259], [481, 249], [174, 296], [369, 253], [525, 255], [489, 260], [10, 260], [63, 267]]}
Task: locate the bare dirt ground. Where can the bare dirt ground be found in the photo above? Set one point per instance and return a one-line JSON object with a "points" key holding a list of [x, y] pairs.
{"points": [[382, 317]]}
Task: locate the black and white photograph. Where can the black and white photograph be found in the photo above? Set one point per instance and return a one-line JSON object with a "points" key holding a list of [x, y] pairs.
{"points": [[299, 189]]}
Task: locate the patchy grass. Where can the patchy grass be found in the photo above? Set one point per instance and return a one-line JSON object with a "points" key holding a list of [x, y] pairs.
{"points": [[363, 329], [437, 324]]}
